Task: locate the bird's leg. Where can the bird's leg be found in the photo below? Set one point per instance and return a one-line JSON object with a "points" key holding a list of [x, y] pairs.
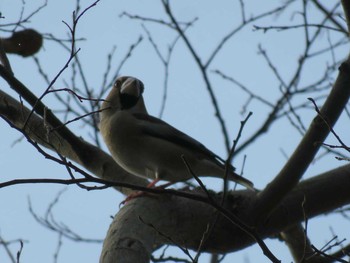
{"points": [[141, 193], [153, 183]]}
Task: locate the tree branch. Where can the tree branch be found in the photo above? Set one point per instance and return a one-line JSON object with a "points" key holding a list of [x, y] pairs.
{"points": [[129, 237], [98, 162], [303, 155]]}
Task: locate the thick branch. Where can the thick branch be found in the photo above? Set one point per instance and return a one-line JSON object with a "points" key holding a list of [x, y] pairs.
{"points": [[100, 164], [300, 246], [37, 105], [148, 222], [297, 164]]}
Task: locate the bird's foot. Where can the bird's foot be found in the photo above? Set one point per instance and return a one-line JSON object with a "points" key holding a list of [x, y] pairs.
{"points": [[142, 193], [132, 196]]}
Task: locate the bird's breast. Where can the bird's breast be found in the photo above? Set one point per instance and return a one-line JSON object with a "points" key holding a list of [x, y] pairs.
{"points": [[122, 137]]}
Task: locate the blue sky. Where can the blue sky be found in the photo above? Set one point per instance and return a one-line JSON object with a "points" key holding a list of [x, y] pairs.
{"points": [[188, 108]]}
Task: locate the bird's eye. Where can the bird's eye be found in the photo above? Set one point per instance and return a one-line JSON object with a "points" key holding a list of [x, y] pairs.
{"points": [[117, 84]]}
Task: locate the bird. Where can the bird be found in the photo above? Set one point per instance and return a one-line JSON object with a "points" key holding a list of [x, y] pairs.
{"points": [[149, 147]]}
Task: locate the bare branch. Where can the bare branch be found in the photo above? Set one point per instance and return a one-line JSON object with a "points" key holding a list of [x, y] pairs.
{"points": [[303, 155]]}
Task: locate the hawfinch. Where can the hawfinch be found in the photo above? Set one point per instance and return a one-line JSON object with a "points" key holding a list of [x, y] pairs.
{"points": [[149, 147]]}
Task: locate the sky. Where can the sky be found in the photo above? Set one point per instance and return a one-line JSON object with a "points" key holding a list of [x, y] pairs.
{"points": [[188, 108]]}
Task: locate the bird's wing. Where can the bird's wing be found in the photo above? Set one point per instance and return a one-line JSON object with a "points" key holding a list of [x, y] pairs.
{"points": [[161, 130]]}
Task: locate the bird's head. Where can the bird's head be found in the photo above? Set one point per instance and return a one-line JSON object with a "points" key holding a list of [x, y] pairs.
{"points": [[126, 94], [131, 90]]}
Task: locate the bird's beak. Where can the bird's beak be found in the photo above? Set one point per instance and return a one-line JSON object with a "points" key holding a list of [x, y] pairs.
{"points": [[131, 87]]}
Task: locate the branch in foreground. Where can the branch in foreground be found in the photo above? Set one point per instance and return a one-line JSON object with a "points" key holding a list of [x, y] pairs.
{"points": [[89, 156], [303, 155], [174, 216], [24, 43]]}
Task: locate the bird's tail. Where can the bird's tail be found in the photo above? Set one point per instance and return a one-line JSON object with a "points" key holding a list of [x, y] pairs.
{"points": [[232, 176]]}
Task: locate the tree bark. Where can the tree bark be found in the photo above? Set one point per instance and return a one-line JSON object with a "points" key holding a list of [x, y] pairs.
{"points": [[147, 222]]}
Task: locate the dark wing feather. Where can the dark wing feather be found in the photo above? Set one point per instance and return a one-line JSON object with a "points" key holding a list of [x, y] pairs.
{"points": [[164, 131]]}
